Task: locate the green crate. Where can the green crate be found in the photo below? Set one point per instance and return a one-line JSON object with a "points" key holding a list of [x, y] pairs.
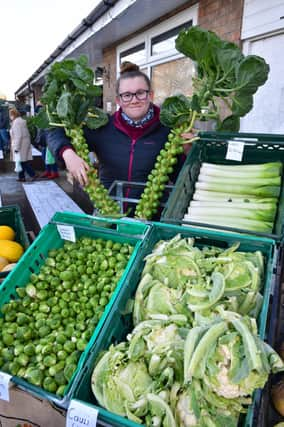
{"points": [[131, 232], [212, 147], [119, 191], [118, 324], [11, 216]]}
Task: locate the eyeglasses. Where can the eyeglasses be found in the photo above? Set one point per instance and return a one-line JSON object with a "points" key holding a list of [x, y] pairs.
{"points": [[141, 95]]}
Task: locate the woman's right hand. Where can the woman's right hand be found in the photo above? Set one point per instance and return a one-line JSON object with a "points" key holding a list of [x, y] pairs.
{"points": [[76, 166]]}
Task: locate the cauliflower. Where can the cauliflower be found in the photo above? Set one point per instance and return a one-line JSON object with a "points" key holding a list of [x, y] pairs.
{"points": [[184, 411]]}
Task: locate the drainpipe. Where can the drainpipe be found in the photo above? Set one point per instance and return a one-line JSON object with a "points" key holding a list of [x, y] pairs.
{"points": [[33, 97]]}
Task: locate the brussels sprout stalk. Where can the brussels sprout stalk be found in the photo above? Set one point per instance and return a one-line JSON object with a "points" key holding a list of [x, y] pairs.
{"points": [[96, 191]]}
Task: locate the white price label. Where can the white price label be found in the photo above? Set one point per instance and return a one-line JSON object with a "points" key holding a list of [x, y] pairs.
{"points": [[4, 386], [80, 414], [67, 232], [235, 150]]}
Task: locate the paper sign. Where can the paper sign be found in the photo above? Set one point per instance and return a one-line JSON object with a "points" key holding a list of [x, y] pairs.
{"points": [[81, 415], [4, 386], [235, 150], [46, 198], [67, 232]]}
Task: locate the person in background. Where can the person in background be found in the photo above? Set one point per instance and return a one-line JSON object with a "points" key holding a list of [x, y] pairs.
{"points": [[50, 167], [21, 144], [127, 146], [4, 126]]}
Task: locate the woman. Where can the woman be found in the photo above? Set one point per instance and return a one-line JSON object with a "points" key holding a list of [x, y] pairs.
{"points": [[127, 146], [21, 144]]}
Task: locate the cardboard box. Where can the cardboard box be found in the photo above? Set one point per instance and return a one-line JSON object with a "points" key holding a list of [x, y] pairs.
{"points": [[26, 410]]}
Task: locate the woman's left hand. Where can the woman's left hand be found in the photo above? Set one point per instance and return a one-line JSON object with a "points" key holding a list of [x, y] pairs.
{"points": [[189, 138]]}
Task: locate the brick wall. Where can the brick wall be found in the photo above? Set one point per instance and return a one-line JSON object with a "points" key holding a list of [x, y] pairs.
{"points": [[37, 92], [110, 82], [224, 17]]}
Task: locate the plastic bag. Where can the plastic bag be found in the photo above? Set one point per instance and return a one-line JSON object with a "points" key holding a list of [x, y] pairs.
{"points": [[49, 159], [18, 166]]}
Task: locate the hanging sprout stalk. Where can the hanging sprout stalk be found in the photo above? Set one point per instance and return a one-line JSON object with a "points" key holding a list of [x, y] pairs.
{"points": [[97, 192], [223, 74], [149, 203], [68, 100]]}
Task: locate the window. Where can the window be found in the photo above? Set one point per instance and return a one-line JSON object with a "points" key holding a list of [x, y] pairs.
{"points": [[172, 78], [154, 51], [166, 42], [136, 54]]}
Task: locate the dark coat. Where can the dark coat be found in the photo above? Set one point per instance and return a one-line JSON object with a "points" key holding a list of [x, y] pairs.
{"points": [[121, 156], [4, 118]]}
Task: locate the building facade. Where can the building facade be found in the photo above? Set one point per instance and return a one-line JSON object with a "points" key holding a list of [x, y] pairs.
{"points": [[144, 32]]}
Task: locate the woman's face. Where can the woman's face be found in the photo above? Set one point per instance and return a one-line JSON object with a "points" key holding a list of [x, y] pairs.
{"points": [[136, 108]]}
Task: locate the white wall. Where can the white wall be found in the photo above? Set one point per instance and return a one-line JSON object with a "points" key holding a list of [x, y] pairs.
{"points": [[262, 16], [263, 35]]}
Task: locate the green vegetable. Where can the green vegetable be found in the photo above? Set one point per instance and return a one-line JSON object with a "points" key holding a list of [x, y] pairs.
{"points": [[253, 171], [223, 73], [233, 364], [69, 99], [241, 196], [190, 360], [262, 190], [46, 329], [180, 279], [126, 382]]}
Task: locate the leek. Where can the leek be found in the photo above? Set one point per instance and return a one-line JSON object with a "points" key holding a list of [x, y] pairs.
{"points": [[249, 224], [238, 196], [236, 204], [239, 188], [264, 170], [225, 211], [240, 180], [203, 195]]}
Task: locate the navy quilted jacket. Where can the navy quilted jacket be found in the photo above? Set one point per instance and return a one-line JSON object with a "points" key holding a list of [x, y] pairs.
{"points": [[124, 153]]}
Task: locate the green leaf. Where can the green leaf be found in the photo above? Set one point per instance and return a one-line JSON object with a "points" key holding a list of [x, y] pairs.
{"points": [[195, 104], [79, 84], [64, 105], [251, 73], [96, 118], [93, 91], [175, 111], [83, 60], [50, 92], [196, 43], [41, 120], [222, 72], [69, 93], [230, 124], [242, 103], [82, 112], [84, 73], [228, 57]]}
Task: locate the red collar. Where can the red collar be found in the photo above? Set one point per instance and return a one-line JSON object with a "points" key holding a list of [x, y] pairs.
{"points": [[132, 132]]}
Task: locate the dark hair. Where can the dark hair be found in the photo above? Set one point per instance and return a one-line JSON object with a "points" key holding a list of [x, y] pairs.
{"points": [[128, 70]]}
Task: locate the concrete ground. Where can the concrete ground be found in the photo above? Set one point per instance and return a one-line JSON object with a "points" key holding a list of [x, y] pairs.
{"points": [[12, 192]]}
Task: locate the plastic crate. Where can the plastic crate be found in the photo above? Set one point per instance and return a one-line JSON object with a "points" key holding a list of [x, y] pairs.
{"points": [[212, 148], [11, 215], [127, 194], [264, 412], [118, 325], [131, 232]]}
